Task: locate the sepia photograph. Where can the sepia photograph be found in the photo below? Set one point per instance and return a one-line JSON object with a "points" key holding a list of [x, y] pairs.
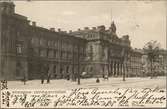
{"points": [[83, 54]]}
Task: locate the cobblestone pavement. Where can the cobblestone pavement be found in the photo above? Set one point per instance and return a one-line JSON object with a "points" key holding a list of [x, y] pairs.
{"points": [[91, 82]]}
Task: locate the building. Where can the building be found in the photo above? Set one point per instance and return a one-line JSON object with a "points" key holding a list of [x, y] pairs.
{"points": [[163, 62], [106, 53], [26, 47], [159, 64], [135, 68]]}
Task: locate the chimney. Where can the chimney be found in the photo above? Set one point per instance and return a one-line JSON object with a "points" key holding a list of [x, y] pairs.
{"points": [[125, 37], [52, 29], [59, 30], [70, 31], [79, 29], [64, 31], [86, 28], [101, 28], [93, 28], [33, 23]]}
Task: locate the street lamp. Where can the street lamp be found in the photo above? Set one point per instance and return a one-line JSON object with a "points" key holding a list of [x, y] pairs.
{"points": [[78, 65], [123, 62], [126, 58]]}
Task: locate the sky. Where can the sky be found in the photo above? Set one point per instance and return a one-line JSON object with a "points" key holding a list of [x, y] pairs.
{"points": [[143, 21]]}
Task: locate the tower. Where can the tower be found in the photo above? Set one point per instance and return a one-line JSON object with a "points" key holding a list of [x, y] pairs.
{"points": [[7, 7], [113, 27]]}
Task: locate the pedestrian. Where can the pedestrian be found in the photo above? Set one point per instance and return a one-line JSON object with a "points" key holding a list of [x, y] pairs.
{"points": [[48, 78], [103, 76], [68, 76], [24, 79], [42, 77], [43, 72], [97, 80]]}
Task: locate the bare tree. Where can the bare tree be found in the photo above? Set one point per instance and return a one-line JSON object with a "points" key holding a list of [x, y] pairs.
{"points": [[152, 51]]}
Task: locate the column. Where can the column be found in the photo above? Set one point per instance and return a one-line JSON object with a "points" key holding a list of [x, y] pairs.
{"points": [[121, 70], [124, 71], [116, 69], [118, 65], [111, 67]]}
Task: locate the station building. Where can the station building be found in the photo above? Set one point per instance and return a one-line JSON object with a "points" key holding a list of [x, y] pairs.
{"points": [[25, 48]]}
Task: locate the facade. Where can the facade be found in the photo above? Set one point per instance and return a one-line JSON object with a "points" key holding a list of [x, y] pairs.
{"points": [[135, 68], [163, 62], [106, 53], [26, 49], [159, 64]]}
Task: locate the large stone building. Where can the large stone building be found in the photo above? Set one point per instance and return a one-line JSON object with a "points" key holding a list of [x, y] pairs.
{"points": [[135, 67], [106, 53], [25, 49], [159, 65]]}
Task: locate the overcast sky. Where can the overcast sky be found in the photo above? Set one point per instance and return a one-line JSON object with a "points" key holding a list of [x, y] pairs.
{"points": [[141, 20]]}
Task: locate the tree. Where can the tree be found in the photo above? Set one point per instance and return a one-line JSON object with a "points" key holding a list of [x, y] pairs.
{"points": [[151, 49]]}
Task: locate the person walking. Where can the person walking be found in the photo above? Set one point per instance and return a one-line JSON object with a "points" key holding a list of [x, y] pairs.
{"points": [[97, 80], [43, 72], [24, 78], [68, 76], [42, 77], [48, 74], [48, 77]]}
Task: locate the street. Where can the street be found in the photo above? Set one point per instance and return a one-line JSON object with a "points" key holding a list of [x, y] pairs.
{"points": [[63, 84]]}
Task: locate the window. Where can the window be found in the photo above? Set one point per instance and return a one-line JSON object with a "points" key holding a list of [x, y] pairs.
{"points": [[56, 44], [19, 48], [50, 53], [43, 52], [42, 41], [55, 53], [50, 43]]}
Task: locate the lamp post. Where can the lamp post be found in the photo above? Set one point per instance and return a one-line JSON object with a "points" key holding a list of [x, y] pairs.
{"points": [[78, 65], [126, 58], [124, 68], [123, 62]]}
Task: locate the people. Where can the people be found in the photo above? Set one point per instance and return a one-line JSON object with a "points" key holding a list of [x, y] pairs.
{"points": [[103, 76], [48, 74], [48, 78], [24, 79], [97, 80], [43, 72], [68, 76], [42, 77]]}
